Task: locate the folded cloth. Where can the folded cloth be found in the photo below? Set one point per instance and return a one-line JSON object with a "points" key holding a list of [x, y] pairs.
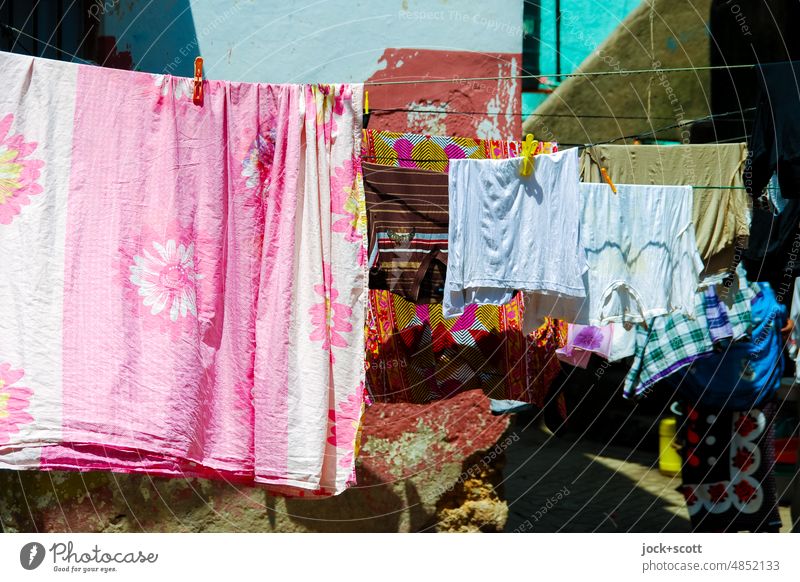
{"points": [[721, 217], [774, 143], [672, 342], [640, 248], [728, 478], [407, 214], [510, 232], [182, 286]]}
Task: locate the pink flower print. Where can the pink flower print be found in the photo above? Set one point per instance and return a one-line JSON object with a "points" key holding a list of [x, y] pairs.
{"points": [[590, 338], [13, 402], [344, 201], [167, 279], [18, 174], [329, 317], [346, 426], [258, 162]]}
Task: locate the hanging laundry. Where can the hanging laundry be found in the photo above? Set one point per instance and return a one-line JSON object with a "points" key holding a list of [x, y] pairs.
{"points": [[583, 340], [484, 348], [408, 215], [434, 152], [727, 474], [641, 251], [671, 342], [721, 216], [510, 232], [416, 355], [772, 254], [191, 278], [741, 375], [775, 141]]}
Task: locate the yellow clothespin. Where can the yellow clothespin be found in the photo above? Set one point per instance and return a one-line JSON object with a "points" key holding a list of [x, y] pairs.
{"points": [[607, 178], [528, 151], [366, 102]]}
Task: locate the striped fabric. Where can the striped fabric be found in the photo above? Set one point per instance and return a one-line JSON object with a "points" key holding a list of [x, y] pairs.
{"points": [[407, 211]]}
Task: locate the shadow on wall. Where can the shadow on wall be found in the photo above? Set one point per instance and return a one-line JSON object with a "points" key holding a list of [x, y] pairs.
{"points": [[125, 26]]}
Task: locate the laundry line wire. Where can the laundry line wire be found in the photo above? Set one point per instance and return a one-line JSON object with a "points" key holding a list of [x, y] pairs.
{"points": [[456, 79], [45, 43], [513, 114]]}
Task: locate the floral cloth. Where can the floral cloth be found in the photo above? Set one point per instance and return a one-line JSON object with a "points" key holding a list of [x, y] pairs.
{"points": [[182, 286], [728, 469]]}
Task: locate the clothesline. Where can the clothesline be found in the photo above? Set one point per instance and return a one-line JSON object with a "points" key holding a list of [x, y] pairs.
{"points": [[45, 43], [576, 74], [446, 160]]}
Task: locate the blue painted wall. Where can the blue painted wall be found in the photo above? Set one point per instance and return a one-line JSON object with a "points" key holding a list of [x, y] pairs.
{"points": [[585, 24]]}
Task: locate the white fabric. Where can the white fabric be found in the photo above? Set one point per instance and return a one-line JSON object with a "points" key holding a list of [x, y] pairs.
{"points": [[508, 232], [641, 250], [623, 341]]}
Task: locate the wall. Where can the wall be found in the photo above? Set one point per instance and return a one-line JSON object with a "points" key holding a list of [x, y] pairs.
{"points": [[341, 41], [657, 35], [585, 24]]}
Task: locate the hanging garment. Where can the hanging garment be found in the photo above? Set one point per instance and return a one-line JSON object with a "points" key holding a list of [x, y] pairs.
{"points": [[583, 340], [408, 215], [728, 469], [774, 248], [775, 141], [510, 232], [721, 216], [434, 152], [182, 286], [744, 374], [641, 251], [519, 365], [672, 342], [416, 355]]}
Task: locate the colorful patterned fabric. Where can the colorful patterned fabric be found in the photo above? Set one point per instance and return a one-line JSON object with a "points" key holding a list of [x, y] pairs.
{"points": [[672, 342], [415, 354], [433, 152], [182, 286], [728, 469]]}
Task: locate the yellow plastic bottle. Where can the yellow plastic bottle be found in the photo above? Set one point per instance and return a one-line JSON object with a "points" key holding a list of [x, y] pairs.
{"points": [[669, 460]]}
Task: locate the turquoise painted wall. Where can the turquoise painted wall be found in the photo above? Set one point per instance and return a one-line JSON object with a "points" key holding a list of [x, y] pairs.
{"points": [[584, 25]]}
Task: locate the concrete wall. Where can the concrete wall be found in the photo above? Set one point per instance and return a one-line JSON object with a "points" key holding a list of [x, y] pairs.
{"points": [[337, 41], [658, 34], [585, 24]]}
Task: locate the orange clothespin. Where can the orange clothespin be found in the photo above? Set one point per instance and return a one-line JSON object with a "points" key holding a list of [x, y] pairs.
{"points": [[528, 150], [607, 178], [197, 96]]}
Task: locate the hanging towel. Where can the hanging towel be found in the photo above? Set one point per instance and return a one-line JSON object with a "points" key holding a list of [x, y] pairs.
{"points": [[182, 286], [510, 232], [583, 340], [721, 217], [408, 214]]}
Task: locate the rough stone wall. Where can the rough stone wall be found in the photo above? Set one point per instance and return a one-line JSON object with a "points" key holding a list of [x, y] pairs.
{"points": [[421, 468]]}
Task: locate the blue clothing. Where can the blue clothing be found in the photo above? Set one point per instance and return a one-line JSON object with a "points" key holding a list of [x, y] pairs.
{"points": [[742, 375]]}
